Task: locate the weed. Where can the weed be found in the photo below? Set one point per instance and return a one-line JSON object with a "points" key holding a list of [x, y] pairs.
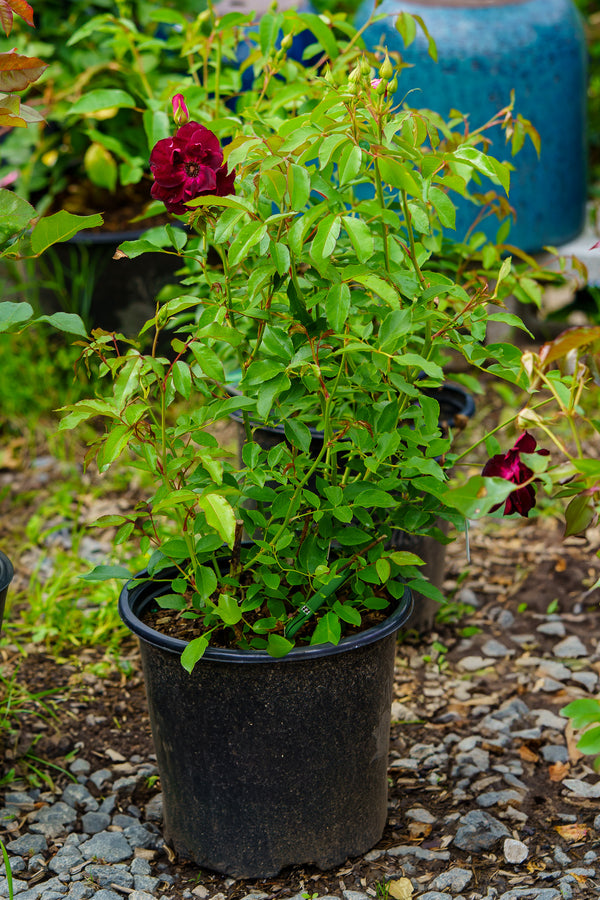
{"points": [[9, 881]]}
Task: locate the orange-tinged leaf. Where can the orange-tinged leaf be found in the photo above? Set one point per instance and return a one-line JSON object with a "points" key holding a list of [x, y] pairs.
{"points": [[572, 832], [558, 771], [20, 7], [527, 754], [571, 339], [17, 71], [6, 17]]}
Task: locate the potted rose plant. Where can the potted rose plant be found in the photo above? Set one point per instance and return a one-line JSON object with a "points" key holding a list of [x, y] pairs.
{"points": [[273, 590]]}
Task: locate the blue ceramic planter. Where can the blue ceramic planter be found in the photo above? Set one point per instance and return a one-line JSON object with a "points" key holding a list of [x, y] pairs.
{"points": [[485, 50]]}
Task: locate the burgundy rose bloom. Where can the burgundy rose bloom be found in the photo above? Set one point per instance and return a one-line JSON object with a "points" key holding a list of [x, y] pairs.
{"points": [[189, 165], [509, 466]]}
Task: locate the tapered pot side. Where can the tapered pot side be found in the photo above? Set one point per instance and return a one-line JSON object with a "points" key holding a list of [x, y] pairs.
{"points": [[266, 763], [6, 576]]}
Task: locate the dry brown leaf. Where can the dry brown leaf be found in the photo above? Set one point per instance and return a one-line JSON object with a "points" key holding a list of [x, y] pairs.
{"points": [[561, 564], [400, 888], [574, 754], [527, 754], [572, 832], [419, 830], [558, 771]]}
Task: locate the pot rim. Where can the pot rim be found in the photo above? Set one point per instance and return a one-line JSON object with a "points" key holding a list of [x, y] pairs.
{"points": [[6, 571], [135, 596]]}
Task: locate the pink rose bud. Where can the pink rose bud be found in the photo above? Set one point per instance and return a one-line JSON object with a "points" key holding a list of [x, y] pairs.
{"points": [[180, 110]]}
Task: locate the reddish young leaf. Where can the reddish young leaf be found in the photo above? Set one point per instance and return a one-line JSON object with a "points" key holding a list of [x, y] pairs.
{"points": [[571, 339], [20, 7], [17, 72]]}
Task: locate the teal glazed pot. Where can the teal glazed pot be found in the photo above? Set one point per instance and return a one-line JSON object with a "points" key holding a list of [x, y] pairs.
{"points": [[486, 48]]}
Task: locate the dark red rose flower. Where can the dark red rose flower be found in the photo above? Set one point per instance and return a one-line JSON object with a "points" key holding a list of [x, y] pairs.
{"points": [[189, 165], [510, 466]]}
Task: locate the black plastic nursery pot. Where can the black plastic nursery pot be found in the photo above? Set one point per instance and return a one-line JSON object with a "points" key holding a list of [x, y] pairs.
{"points": [[118, 294], [266, 763], [6, 576]]}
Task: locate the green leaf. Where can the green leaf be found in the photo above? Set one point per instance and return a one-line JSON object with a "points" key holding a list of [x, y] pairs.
{"points": [[477, 497], [398, 175], [182, 378], [589, 742], [347, 613], [270, 25], [328, 630], [228, 609], [353, 536], [337, 305], [579, 514], [325, 240], [582, 712], [360, 236], [278, 646], [205, 582], [298, 186], [100, 166], [219, 515], [15, 214], [70, 323], [298, 434], [487, 165], [384, 569], [13, 314], [443, 206], [193, 652], [104, 573], [60, 227], [101, 99], [349, 163], [247, 237], [322, 32]]}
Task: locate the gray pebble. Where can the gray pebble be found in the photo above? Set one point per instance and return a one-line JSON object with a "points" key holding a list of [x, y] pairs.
{"points": [[555, 669], [140, 866], [496, 649], [17, 864], [154, 808], [27, 845], [570, 648], [588, 679], [146, 883], [553, 753], [499, 798], [544, 718], [58, 814], [515, 852], [100, 777], [554, 629], [561, 858], [479, 831], [111, 846], [65, 859], [454, 880], [106, 875], [80, 767], [76, 795], [93, 822], [582, 788]]}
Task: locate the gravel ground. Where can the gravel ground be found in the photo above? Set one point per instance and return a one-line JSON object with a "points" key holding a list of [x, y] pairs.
{"points": [[489, 797]]}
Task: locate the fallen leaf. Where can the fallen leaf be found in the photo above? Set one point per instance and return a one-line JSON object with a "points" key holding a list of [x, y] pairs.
{"points": [[572, 832], [527, 754], [419, 830], [561, 564], [574, 754], [558, 771], [400, 888]]}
